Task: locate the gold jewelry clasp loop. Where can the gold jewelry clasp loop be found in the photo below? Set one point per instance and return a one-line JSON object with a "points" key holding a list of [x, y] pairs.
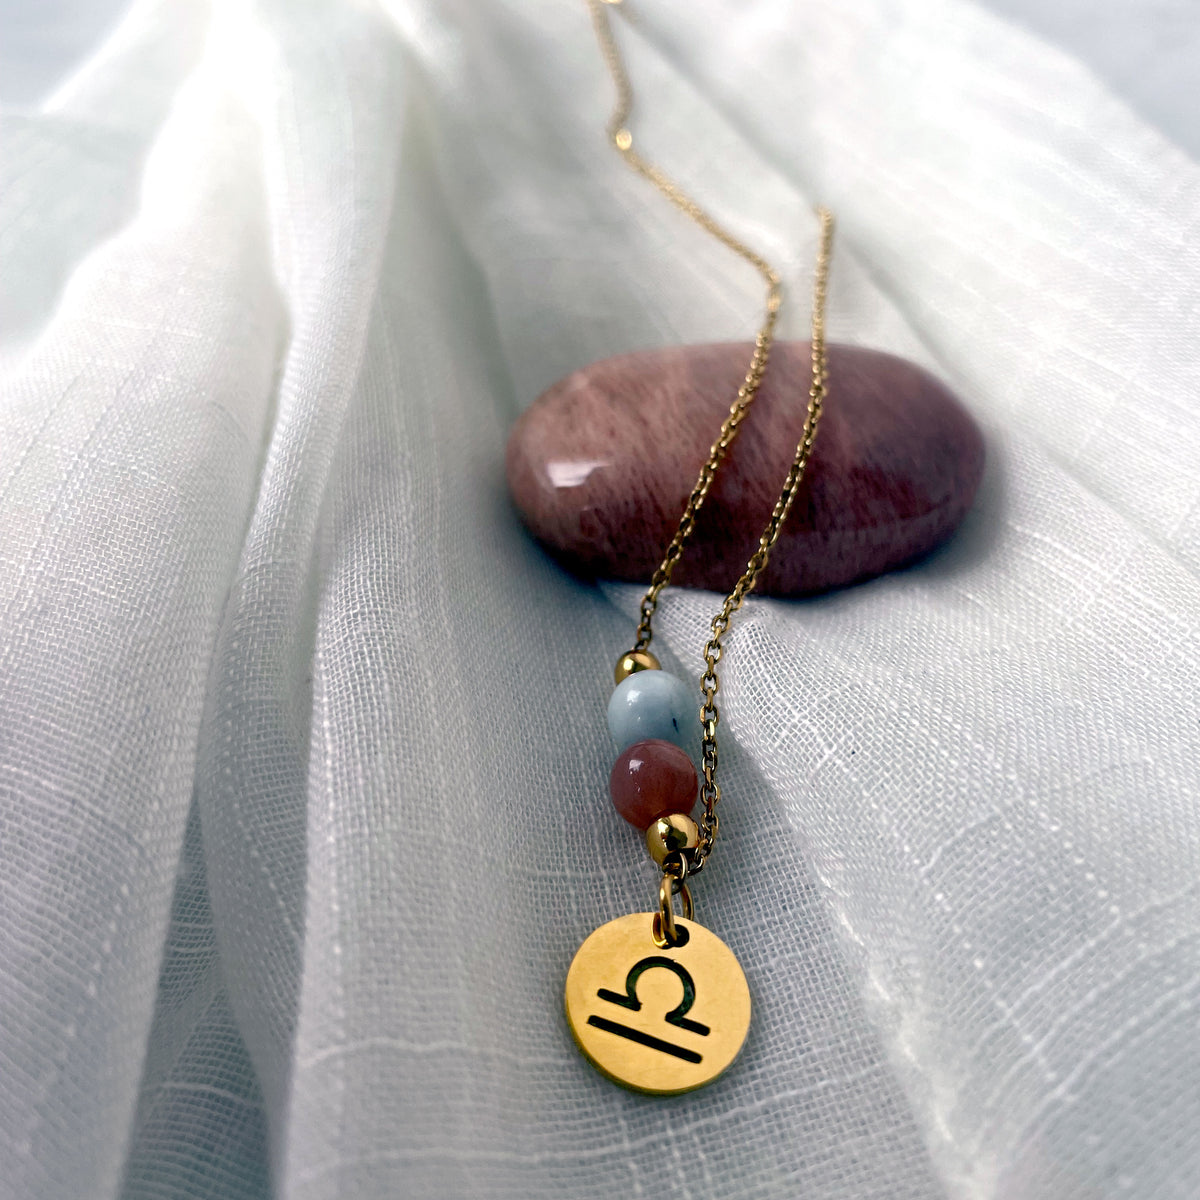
{"points": [[666, 932]]}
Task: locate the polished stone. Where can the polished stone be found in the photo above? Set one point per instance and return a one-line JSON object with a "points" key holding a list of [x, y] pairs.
{"points": [[654, 704], [652, 779], [600, 466]]}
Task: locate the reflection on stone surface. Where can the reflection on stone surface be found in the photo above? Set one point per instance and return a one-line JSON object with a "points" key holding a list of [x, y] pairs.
{"points": [[601, 465]]}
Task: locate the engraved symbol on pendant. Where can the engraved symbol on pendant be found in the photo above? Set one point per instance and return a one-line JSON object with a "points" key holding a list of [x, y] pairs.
{"points": [[677, 1016], [655, 1019]]}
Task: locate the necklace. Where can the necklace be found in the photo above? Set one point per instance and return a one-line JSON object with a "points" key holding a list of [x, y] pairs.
{"points": [[656, 1001]]}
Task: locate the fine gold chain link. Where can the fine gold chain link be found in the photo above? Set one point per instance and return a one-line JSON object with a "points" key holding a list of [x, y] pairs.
{"points": [[710, 790], [622, 139]]}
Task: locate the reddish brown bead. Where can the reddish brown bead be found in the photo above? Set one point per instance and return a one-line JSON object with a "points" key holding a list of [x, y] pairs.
{"points": [[652, 779]]}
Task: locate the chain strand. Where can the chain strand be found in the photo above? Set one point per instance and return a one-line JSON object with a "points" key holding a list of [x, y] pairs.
{"points": [[710, 790], [622, 139]]}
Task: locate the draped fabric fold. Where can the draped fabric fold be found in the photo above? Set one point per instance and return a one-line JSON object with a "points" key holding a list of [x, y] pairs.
{"points": [[302, 747]]}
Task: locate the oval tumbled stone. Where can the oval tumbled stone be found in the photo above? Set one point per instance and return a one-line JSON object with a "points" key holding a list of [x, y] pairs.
{"points": [[601, 465]]}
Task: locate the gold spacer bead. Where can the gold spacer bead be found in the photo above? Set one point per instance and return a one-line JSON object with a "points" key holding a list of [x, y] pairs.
{"points": [[633, 662], [676, 834]]}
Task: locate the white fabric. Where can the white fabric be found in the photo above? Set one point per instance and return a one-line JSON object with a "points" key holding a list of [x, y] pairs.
{"points": [[302, 748]]}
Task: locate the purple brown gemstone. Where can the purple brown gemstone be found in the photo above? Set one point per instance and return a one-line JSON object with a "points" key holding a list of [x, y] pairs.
{"points": [[601, 465]]}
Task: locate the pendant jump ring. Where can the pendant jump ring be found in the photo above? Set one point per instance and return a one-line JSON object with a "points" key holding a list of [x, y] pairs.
{"points": [[666, 932]]}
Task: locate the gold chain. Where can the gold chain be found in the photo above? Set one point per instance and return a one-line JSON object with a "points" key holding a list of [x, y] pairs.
{"points": [[622, 139], [710, 790]]}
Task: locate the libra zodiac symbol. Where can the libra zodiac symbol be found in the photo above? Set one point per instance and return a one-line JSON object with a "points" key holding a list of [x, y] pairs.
{"points": [[677, 1016]]}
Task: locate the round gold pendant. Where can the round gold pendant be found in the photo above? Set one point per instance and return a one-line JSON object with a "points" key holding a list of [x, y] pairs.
{"points": [[656, 1020]]}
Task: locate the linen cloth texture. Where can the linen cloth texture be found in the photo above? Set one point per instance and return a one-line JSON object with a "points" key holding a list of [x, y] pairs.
{"points": [[302, 744]]}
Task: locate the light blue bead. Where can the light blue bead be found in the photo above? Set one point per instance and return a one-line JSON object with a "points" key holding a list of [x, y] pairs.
{"points": [[654, 704]]}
